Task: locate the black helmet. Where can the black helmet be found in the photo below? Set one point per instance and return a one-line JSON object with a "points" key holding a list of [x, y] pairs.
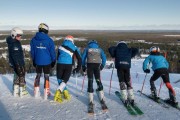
{"points": [[43, 28]]}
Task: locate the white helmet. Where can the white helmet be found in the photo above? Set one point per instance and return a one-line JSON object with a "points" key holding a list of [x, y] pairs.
{"points": [[43, 28], [154, 49], [16, 31], [70, 38]]}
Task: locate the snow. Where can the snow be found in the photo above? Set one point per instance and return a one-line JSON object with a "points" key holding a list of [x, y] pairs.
{"points": [[30, 108]]}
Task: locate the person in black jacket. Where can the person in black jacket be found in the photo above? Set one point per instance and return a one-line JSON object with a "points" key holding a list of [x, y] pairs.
{"points": [[123, 55], [16, 60]]}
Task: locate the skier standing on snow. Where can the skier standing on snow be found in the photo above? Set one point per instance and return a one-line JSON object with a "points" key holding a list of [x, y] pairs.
{"points": [[94, 60], [123, 55], [160, 67], [16, 60], [44, 58], [65, 60]]}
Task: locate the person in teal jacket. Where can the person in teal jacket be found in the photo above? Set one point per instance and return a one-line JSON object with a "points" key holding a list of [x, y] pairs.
{"points": [[160, 67]]}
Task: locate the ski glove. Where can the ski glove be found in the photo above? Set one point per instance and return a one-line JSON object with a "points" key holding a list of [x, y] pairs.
{"points": [[101, 67], [84, 68], [147, 71], [53, 64]]}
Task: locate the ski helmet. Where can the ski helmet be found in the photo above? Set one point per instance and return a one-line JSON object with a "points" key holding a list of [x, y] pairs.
{"points": [[92, 41], [43, 28], [70, 38], [16, 31], [154, 49]]}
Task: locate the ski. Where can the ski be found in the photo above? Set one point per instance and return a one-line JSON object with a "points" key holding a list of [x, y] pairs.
{"points": [[128, 107], [137, 109], [103, 104], [174, 106], [91, 109], [159, 101]]}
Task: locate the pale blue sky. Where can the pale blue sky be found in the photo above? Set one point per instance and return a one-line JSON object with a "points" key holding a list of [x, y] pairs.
{"points": [[90, 13]]}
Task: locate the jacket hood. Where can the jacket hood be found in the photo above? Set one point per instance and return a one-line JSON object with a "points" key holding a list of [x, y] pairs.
{"points": [[10, 40], [93, 45], [122, 45], [40, 36], [67, 43]]}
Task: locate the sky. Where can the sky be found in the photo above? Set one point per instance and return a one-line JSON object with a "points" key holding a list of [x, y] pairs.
{"points": [[91, 14]]}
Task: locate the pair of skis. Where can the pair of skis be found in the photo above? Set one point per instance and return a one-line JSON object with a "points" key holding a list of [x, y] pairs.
{"points": [[91, 106], [161, 101], [132, 109]]}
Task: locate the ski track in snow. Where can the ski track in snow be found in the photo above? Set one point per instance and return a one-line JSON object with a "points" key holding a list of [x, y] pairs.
{"points": [[30, 108]]}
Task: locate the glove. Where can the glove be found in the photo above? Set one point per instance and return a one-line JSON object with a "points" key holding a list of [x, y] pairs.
{"points": [[34, 64], [147, 71], [101, 67], [53, 64], [75, 71], [84, 68]]}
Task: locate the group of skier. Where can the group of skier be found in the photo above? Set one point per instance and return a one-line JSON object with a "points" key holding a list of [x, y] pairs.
{"points": [[92, 60]]}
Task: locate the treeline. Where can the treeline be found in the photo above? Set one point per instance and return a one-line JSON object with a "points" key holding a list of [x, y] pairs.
{"points": [[105, 40]]}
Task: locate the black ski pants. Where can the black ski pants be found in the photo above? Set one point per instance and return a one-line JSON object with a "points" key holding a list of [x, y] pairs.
{"points": [[93, 69]]}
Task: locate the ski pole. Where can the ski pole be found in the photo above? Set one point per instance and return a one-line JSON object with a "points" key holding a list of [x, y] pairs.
{"points": [[143, 84], [83, 83], [111, 80], [160, 87]]}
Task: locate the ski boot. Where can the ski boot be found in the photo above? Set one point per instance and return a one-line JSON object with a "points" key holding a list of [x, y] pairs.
{"points": [[154, 96], [46, 93], [25, 92], [124, 97], [66, 95], [15, 90], [131, 97], [36, 92], [20, 92], [58, 96], [91, 108]]}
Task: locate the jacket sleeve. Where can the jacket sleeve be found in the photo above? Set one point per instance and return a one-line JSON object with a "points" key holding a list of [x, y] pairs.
{"points": [[78, 56], [103, 57], [146, 63], [52, 51], [167, 64], [112, 51], [84, 56], [134, 52]]}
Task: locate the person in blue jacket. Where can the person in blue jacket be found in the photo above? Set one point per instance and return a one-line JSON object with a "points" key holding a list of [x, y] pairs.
{"points": [[123, 56], [94, 60], [65, 60], [160, 67], [43, 55], [16, 60]]}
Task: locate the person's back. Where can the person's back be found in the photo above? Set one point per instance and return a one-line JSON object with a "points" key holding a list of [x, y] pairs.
{"points": [[123, 55], [94, 60], [43, 57]]}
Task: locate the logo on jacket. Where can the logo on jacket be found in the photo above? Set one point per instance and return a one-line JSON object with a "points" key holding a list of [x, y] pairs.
{"points": [[16, 48], [41, 46]]}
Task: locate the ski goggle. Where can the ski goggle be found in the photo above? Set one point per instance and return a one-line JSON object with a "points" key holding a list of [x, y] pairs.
{"points": [[18, 35]]}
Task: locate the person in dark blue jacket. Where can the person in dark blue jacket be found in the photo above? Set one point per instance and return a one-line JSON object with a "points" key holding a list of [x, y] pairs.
{"points": [[160, 67], [94, 60], [123, 55], [16, 60], [43, 55], [65, 58]]}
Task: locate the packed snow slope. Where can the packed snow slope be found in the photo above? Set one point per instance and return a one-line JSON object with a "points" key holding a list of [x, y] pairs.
{"points": [[30, 108]]}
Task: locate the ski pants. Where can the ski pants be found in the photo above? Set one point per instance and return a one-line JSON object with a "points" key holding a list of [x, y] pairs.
{"points": [[124, 78], [46, 70], [164, 74], [93, 69], [64, 72], [19, 76]]}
